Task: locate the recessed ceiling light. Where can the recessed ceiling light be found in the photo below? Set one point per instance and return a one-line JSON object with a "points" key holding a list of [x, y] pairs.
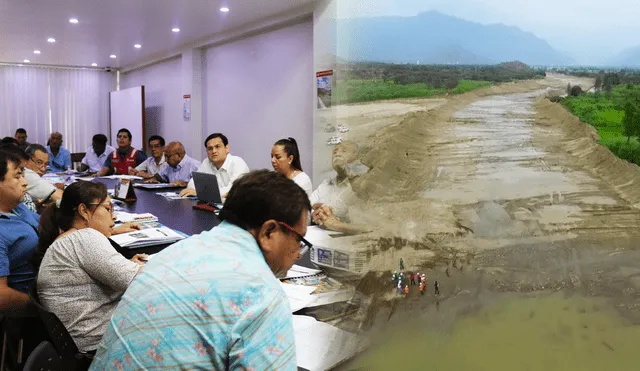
{"points": [[176, 30], [137, 46], [112, 56], [51, 40], [94, 65], [26, 61], [224, 9], [36, 52], [73, 20]]}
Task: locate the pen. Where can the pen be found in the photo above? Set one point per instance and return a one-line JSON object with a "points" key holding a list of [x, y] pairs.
{"points": [[164, 234]]}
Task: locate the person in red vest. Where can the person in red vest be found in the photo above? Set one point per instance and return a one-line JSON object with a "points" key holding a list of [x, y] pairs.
{"points": [[124, 157]]}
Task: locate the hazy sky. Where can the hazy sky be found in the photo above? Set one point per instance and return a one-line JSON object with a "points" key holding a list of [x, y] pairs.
{"points": [[590, 31]]}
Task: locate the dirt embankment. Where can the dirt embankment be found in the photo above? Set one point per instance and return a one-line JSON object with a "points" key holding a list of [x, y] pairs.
{"points": [[580, 141]]}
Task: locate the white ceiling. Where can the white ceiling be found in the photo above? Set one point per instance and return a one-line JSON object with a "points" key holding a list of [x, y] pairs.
{"points": [[113, 26]]}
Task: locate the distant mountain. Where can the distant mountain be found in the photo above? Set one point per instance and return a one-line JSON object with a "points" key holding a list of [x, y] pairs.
{"points": [[433, 37], [629, 57]]}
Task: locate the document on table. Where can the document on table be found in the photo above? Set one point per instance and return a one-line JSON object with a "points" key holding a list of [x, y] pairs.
{"points": [[155, 185], [320, 346], [125, 217], [130, 177], [175, 196], [146, 237], [299, 296]]}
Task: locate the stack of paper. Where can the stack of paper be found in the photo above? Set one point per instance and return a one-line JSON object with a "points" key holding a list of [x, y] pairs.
{"points": [[131, 177], [299, 271], [125, 217], [322, 290], [320, 346], [147, 237]]}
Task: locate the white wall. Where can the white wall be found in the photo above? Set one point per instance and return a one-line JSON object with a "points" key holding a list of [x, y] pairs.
{"points": [[260, 89], [163, 99]]}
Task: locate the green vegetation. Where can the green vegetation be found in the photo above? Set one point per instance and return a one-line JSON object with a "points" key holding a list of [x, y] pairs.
{"points": [[616, 116], [354, 91], [364, 82]]}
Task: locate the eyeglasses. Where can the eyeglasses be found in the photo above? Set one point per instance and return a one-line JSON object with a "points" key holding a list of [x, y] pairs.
{"points": [[39, 163], [304, 244], [106, 205]]}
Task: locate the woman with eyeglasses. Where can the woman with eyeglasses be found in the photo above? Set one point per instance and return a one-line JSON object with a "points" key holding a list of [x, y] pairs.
{"points": [[81, 276]]}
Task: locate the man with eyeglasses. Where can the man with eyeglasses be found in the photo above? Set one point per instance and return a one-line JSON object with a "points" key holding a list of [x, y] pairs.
{"points": [[227, 168], [179, 166], [213, 301], [154, 164], [40, 190]]}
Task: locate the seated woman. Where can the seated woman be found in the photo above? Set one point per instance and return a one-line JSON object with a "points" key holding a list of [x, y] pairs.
{"points": [[285, 159], [81, 276]]}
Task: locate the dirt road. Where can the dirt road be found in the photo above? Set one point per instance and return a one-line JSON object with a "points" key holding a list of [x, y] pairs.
{"points": [[503, 197]]}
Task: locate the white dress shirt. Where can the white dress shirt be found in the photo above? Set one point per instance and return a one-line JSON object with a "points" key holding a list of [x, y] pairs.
{"points": [[94, 161], [334, 195], [231, 170], [149, 165]]}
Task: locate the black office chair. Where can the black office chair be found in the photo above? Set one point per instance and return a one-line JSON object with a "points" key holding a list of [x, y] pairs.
{"points": [[72, 358], [44, 357]]}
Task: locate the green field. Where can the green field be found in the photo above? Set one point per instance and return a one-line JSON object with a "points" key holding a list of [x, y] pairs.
{"points": [[355, 91], [604, 113]]}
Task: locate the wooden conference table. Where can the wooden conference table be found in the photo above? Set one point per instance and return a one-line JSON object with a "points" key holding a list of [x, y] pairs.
{"points": [[175, 214]]}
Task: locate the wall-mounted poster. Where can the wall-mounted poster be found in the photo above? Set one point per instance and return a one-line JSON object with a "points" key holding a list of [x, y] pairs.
{"points": [[186, 107], [325, 84]]}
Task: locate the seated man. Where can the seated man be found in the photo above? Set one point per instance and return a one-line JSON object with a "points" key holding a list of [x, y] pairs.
{"points": [[152, 165], [180, 166], [225, 167], [124, 158], [25, 159], [59, 157], [39, 189], [330, 199], [96, 154], [21, 137], [18, 238], [213, 301]]}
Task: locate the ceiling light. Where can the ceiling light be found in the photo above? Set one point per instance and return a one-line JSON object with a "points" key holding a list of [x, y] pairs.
{"points": [[73, 20], [26, 61], [51, 40], [94, 65], [36, 52], [112, 56], [224, 9], [176, 30], [137, 46]]}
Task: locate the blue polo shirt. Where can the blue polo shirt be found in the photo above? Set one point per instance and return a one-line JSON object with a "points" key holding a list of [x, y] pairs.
{"points": [[18, 240], [61, 162]]}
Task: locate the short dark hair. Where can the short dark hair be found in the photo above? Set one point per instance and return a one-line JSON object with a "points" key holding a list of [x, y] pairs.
{"points": [[100, 139], [7, 157], [55, 219], [21, 131], [35, 147], [216, 135], [262, 195], [123, 130], [8, 140], [156, 137], [15, 150], [291, 149]]}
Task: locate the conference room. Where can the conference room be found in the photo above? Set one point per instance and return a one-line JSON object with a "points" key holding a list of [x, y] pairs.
{"points": [[172, 74]]}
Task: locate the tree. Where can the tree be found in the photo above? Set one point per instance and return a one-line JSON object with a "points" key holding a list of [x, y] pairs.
{"points": [[568, 88], [598, 84], [631, 120], [576, 91]]}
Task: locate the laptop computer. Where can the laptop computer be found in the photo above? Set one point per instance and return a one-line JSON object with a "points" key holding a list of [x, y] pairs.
{"points": [[207, 191]]}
